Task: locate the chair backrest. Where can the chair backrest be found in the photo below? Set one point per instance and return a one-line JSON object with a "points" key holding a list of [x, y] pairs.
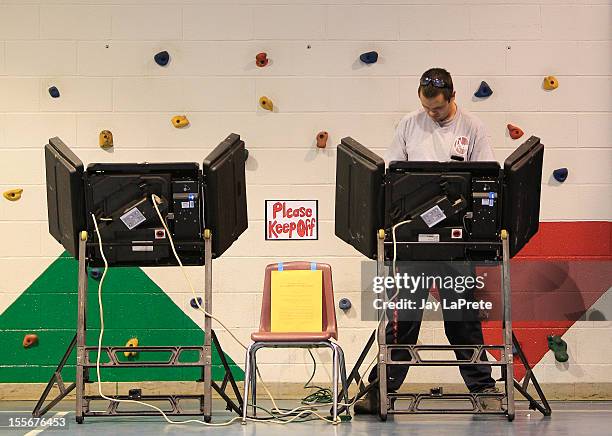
{"points": [[329, 310]]}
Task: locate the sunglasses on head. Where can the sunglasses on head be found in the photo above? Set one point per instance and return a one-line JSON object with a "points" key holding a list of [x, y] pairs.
{"points": [[438, 83]]}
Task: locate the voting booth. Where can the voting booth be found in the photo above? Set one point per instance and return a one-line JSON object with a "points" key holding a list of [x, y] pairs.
{"points": [[146, 215], [440, 211]]}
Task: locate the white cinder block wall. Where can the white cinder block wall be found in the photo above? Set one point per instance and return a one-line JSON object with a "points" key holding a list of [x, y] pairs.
{"points": [[99, 53]]}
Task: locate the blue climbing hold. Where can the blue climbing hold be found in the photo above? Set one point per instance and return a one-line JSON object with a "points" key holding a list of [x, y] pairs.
{"points": [[195, 304], [95, 273], [344, 304], [369, 58], [54, 92], [484, 90], [560, 174], [162, 58]]}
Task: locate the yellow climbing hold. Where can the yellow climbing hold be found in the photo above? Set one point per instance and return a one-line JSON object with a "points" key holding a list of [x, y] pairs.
{"points": [[266, 103], [13, 194], [180, 121], [133, 342], [550, 83], [106, 139]]}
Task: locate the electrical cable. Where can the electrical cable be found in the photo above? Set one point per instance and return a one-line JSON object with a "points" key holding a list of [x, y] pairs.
{"points": [[275, 412], [321, 395]]}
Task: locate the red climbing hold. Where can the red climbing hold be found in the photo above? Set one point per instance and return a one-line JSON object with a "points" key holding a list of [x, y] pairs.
{"points": [[261, 60], [30, 340], [515, 132], [322, 139]]}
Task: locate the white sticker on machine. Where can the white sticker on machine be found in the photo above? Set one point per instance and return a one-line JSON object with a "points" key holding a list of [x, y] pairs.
{"points": [[132, 218], [429, 237], [142, 248], [433, 216]]}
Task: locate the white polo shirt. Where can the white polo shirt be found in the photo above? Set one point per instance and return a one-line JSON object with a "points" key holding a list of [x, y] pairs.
{"points": [[419, 138]]}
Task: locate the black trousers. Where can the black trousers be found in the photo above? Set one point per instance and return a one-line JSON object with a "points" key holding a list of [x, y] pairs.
{"points": [[462, 327]]}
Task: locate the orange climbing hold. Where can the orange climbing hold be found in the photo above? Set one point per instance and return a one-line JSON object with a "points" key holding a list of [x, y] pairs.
{"points": [[180, 121], [13, 194], [515, 132], [322, 139], [550, 83], [106, 139], [30, 340], [266, 103], [133, 342], [261, 60]]}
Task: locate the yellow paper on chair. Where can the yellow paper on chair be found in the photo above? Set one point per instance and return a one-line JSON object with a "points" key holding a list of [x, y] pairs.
{"points": [[296, 301]]}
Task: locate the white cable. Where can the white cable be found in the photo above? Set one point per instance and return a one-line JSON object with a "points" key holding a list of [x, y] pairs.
{"points": [[156, 200], [299, 414], [100, 350]]}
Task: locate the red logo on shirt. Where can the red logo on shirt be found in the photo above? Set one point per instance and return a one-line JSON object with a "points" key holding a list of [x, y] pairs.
{"points": [[460, 146]]}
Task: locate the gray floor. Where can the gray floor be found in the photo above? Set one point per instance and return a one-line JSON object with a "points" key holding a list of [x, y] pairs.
{"points": [[568, 418]]}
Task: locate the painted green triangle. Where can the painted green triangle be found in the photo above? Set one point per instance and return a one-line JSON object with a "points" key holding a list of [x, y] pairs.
{"points": [[134, 306]]}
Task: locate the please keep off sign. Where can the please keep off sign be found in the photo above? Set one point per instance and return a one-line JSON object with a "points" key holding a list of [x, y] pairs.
{"points": [[291, 220]]}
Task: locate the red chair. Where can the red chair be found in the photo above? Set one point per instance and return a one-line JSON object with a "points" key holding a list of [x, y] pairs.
{"points": [[265, 338]]}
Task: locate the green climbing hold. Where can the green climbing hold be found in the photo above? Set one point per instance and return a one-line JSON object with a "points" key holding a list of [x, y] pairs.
{"points": [[559, 347]]}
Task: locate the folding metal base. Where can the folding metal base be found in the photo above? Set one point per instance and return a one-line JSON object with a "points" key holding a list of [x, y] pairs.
{"points": [[421, 403], [416, 403], [173, 400], [113, 360]]}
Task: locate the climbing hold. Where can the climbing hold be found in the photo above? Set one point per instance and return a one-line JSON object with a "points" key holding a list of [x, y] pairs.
{"points": [[54, 92], [550, 83], [180, 121], [195, 304], [344, 304], [13, 194], [106, 139], [133, 342], [266, 103], [369, 58], [515, 132], [162, 58], [559, 347], [560, 174], [246, 154], [322, 139], [95, 273], [30, 340], [483, 91], [261, 60]]}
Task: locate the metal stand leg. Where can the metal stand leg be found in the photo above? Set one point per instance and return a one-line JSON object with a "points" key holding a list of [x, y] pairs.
{"points": [[543, 408], [356, 376], [207, 325], [81, 327], [507, 325], [382, 335], [55, 378], [248, 374], [229, 377]]}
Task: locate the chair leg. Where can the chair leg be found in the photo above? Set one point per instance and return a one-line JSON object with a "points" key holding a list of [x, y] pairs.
{"points": [[335, 382], [343, 381], [247, 382], [254, 381]]}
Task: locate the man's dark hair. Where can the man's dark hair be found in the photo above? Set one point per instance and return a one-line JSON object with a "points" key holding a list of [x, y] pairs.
{"points": [[432, 91]]}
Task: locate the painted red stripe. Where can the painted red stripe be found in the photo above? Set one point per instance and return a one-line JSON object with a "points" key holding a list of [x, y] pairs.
{"points": [[588, 240], [571, 239]]}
